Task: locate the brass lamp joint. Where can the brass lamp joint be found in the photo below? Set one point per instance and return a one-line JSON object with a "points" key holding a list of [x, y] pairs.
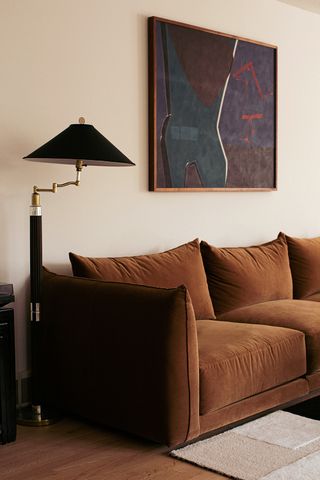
{"points": [[55, 186]]}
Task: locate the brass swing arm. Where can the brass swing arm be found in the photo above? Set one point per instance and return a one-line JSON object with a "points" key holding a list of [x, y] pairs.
{"points": [[55, 186]]}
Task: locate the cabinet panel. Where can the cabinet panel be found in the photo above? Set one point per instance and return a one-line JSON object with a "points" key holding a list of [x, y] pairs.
{"points": [[7, 377]]}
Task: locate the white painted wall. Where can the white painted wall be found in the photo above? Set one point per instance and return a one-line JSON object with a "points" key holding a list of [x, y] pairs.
{"points": [[64, 58]]}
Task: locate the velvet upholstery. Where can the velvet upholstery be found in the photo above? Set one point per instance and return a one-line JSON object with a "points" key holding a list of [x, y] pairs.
{"points": [[297, 314], [244, 276], [276, 397], [315, 297], [180, 266], [304, 254], [241, 360], [314, 381], [133, 357], [122, 355]]}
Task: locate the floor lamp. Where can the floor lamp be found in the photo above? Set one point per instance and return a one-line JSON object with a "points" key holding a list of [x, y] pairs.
{"points": [[80, 145]]}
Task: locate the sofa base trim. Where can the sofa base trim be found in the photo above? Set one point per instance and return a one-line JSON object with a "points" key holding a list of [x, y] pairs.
{"points": [[251, 408], [309, 396], [300, 383]]}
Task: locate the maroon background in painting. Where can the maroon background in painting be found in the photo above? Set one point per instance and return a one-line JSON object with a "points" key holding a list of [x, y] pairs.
{"points": [[205, 59]]}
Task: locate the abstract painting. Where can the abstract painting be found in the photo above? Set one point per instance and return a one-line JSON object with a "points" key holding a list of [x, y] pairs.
{"points": [[212, 110]]}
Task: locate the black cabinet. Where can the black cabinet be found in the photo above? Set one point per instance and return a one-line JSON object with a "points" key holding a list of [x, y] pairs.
{"points": [[7, 377]]}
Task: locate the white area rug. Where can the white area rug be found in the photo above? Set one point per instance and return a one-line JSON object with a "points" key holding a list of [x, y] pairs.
{"points": [[283, 429], [279, 446]]}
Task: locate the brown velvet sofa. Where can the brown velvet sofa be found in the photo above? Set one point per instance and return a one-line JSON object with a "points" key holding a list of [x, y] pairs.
{"points": [[174, 345]]}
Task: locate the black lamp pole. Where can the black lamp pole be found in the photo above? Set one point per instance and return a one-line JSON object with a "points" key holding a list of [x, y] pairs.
{"points": [[78, 145], [35, 286]]}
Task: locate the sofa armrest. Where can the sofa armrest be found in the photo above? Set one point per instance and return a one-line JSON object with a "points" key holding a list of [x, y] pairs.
{"points": [[123, 355]]}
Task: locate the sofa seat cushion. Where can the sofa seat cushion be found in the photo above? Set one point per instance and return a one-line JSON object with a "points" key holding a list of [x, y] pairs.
{"points": [[297, 314], [237, 361], [180, 266]]}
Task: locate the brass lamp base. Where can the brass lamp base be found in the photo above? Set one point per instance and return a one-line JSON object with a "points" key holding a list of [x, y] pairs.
{"points": [[37, 416]]}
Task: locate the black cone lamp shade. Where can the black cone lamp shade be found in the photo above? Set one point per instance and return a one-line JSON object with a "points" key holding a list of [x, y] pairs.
{"points": [[79, 145], [80, 142]]}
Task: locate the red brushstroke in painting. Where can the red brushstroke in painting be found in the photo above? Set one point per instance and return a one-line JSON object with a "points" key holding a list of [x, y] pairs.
{"points": [[249, 67], [250, 118]]}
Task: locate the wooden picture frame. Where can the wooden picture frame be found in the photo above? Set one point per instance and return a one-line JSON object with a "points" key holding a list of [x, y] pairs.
{"points": [[212, 110]]}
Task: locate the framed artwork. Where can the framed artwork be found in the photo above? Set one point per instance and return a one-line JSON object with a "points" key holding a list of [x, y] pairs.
{"points": [[212, 110]]}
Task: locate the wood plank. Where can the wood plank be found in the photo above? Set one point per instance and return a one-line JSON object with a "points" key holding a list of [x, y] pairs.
{"points": [[75, 450]]}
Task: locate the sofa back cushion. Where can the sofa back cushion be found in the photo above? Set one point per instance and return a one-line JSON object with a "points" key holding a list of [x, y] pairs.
{"points": [[181, 265], [244, 276], [304, 254]]}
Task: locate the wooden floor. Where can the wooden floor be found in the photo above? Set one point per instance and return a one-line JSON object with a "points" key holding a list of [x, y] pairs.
{"points": [[73, 450]]}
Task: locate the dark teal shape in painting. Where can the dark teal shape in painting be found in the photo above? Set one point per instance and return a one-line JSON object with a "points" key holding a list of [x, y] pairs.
{"points": [[190, 132]]}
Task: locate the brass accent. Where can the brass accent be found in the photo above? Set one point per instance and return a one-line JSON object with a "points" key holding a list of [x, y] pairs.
{"points": [[82, 120], [35, 201], [79, 165], [36, 416]]}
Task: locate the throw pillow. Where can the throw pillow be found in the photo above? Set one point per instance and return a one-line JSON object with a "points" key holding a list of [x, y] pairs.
{"points": [[244, 276], [181, 265], [304, 254]]}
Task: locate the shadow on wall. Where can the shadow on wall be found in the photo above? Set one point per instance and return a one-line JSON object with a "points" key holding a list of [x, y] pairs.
{"points": [[311, 5]]}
